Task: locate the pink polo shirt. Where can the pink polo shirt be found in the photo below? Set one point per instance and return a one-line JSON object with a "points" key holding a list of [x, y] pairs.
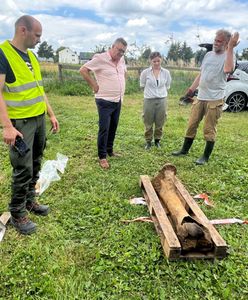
{"points": [[110, 77]]}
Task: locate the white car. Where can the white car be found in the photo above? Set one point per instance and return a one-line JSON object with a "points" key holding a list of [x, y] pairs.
{"points": [[237, 88]]}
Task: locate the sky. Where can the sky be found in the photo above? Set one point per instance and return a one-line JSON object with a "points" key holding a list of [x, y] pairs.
{"points": [[82, 25]]}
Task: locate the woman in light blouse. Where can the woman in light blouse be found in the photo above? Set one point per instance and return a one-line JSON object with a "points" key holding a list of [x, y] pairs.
{"points": [[156, 81]]}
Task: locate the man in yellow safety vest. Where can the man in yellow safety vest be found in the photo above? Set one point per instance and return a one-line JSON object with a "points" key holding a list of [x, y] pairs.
{"points": [[23, 105]]}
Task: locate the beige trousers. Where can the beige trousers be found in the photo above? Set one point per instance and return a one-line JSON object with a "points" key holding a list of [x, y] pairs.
{"points": [[212, 111], [154, 115]]}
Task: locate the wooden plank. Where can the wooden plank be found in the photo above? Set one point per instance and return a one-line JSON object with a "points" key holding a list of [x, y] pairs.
{"points": [[170, 242], [221, 246], [169, 252], [4, 218]]}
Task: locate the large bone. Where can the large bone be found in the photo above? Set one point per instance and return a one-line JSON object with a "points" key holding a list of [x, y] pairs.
{"points": [[191, 233]]}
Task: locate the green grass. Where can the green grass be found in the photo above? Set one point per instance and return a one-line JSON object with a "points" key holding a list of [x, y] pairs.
{"points": [[82, 250]]}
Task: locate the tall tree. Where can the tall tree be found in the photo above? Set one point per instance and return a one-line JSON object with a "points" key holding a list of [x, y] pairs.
{"points": [[245, 53], [101, 48], [134, 54], [199, 55], [186, 53], [146, 53], [180, 51], [45, 50], [174, 52]]}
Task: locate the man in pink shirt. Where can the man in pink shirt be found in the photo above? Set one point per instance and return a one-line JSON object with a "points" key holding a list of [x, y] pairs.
{"points": [[109, 86]]}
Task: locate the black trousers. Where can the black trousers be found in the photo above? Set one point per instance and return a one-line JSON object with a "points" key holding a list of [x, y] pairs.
{"points": [[26, 169], [109, 113]]}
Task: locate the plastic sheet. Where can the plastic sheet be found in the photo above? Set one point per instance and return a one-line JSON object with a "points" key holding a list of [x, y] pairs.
{"points": [[49, 172], [138, 200], [206, 199], [228, 221]]}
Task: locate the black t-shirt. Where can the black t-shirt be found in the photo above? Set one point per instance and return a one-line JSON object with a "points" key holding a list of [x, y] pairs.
{"points": [[5, 67]]}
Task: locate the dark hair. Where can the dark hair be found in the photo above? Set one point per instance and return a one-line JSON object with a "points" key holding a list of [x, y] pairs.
{"points": [[120, 41], [154, 55], [26, 21]]}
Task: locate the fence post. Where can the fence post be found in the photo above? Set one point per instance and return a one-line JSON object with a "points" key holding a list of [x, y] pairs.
{"points": [[140, 70], [60, 72]]}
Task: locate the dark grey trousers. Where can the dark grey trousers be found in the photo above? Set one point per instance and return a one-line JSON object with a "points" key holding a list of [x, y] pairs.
{"points": [[26, 169]]}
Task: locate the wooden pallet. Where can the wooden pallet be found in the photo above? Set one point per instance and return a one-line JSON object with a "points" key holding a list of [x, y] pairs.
{"points": [[163, 225], [4, 218]]}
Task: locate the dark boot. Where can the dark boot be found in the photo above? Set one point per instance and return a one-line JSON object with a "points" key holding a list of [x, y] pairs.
{"points": [[207, 152], [185, 149], [38, 209], [23, 225], [148, 145], [157, 143]]}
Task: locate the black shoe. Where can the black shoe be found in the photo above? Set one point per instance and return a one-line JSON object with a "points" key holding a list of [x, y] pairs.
{"points": [[23, 225], [38, 209], [148, 146], [157, 143]]}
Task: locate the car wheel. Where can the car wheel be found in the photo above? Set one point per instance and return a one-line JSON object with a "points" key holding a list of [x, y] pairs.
{"points": [[236, 102]]}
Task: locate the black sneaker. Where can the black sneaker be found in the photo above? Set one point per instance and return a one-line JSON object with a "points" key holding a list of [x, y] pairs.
{"points": [[38, 209], [157, 143], [148, 145], [23, 225]]}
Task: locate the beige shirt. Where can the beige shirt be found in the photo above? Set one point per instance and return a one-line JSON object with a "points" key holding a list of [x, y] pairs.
{"points": [[109, 76]]}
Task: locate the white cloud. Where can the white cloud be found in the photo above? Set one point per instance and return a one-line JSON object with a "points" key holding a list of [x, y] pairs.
{"points": [[120, 6], [105, 36], [137, 22], [144, 21], [40, 5]]}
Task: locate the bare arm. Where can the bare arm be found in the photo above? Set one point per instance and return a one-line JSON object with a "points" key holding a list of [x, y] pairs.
{"points": [[9, 131], [85, 72], [143, 79], [233, 42], [195, 83], [53, 120]]}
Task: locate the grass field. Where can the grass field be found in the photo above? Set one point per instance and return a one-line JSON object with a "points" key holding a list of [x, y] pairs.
{"points": [[82, 250]]}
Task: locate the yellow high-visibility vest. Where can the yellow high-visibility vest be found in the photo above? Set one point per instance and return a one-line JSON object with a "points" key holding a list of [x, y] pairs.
{"points": [[24, 98]]}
